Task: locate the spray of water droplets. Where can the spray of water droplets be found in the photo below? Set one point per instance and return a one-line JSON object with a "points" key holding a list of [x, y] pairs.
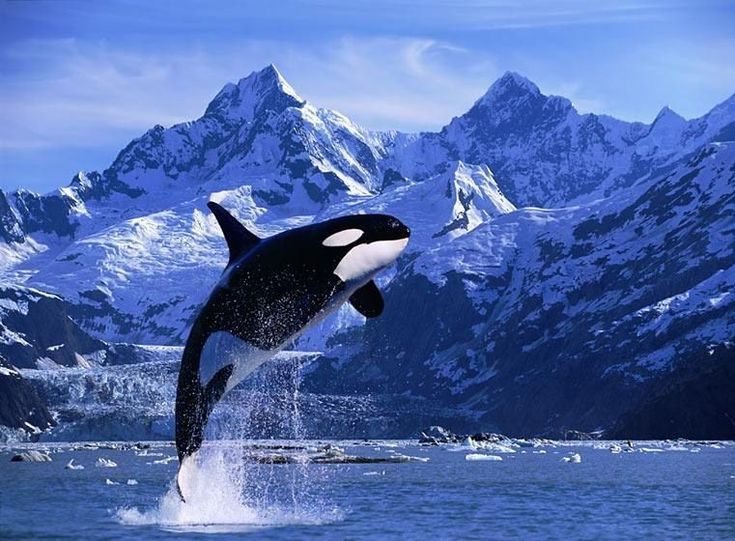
{"points": [[243, 483]]}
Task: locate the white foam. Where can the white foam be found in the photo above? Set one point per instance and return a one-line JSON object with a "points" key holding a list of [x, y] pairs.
{"points": [[219, 498]]}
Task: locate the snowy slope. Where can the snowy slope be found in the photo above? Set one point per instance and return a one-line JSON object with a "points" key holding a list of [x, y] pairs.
{"points": [[575, 307]]}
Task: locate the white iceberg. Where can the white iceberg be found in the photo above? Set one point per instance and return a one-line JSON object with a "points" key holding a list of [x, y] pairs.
{"points": [[71, 466], [480, 456]]}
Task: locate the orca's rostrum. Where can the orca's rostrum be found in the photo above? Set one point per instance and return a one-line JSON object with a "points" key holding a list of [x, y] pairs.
{"points": [[272, 290]]}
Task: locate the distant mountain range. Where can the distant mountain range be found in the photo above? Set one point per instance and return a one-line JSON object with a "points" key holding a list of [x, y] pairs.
{"points": [[566, 271]]}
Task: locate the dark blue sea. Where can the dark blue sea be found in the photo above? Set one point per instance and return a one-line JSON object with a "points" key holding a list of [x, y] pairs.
{"points": [[554, 490]]}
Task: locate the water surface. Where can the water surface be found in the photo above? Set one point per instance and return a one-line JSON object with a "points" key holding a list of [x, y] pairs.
{"points": [[658, 490]]}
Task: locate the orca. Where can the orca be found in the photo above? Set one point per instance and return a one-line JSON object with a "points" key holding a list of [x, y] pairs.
{"points": [[271, 291]]}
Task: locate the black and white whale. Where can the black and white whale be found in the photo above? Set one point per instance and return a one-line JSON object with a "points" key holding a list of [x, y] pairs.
{"points": [[270, 292]]}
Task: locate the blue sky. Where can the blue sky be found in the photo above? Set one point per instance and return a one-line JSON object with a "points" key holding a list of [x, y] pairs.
{"points": [[78, 80]]}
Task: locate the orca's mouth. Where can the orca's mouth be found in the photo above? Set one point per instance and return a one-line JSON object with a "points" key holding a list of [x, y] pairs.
{"points": [[397, 230]]}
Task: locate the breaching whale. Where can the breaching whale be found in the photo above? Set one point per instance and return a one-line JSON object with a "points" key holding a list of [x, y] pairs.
{"points": [[271, 291]]}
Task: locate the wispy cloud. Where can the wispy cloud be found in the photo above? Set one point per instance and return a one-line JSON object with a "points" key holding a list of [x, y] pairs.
{"points": [[82, 94]]}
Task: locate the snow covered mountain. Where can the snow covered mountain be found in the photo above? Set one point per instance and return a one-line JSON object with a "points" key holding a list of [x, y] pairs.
{"points": [[544, 153], [586, 309], [525, 319]]}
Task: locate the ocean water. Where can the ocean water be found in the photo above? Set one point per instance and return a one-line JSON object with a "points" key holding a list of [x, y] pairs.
{"points": [[657, 490]]}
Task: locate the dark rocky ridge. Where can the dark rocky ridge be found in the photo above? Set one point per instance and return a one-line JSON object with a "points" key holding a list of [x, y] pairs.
{"points": [[20, 404]]}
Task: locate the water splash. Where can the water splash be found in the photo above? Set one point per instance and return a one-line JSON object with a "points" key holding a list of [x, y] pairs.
{"points": [[240, 484]]}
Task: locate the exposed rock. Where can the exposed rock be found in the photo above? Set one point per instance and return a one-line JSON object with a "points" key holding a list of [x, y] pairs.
{"points": [[435, 435], [31, 456], [695, 404], [20, 405], [578, 435]]}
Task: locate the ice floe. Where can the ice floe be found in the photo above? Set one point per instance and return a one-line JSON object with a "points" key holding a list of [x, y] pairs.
{"points": [[164, 460], [476, 457]]}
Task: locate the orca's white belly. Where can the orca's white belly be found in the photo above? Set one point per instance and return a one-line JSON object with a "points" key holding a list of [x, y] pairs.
{"points": [[223, 348]]}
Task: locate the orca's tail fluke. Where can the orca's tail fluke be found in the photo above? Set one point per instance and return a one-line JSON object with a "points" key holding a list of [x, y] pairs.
{"points": [[185, 476], [178, 489]]}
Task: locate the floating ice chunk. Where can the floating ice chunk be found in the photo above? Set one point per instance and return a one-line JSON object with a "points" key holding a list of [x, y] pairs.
{"points": [[495, 447], [480, 456], [146, 452], [539, 452], [105, 463], [132, 482], [469, 443], [677, 448], [164, 460], [615, 449], [574, 458], [111, 482], [650, 450], [371, 473], [71, 466], [409, 458]]}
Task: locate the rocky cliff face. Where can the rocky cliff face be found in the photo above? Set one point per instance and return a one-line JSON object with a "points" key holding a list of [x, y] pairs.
{"points": [[569, 313], [22, 410]]}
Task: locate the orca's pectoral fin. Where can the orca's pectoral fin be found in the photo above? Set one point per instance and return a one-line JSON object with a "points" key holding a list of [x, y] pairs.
{"points": [[367, 300], [239, 239]]}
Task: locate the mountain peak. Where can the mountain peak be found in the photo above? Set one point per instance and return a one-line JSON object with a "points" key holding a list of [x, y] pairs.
{"points": [[269, 76], [261, 91], [510, 86], [512, 92], [668, 115], [510, 97]]}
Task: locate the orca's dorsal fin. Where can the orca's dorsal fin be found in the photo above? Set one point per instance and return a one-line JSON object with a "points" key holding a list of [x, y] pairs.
{"points": [[239, 239], [367, 300]]}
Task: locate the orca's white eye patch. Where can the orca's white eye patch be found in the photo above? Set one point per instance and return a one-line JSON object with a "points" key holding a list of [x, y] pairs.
{"points": [[343, 238]]}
